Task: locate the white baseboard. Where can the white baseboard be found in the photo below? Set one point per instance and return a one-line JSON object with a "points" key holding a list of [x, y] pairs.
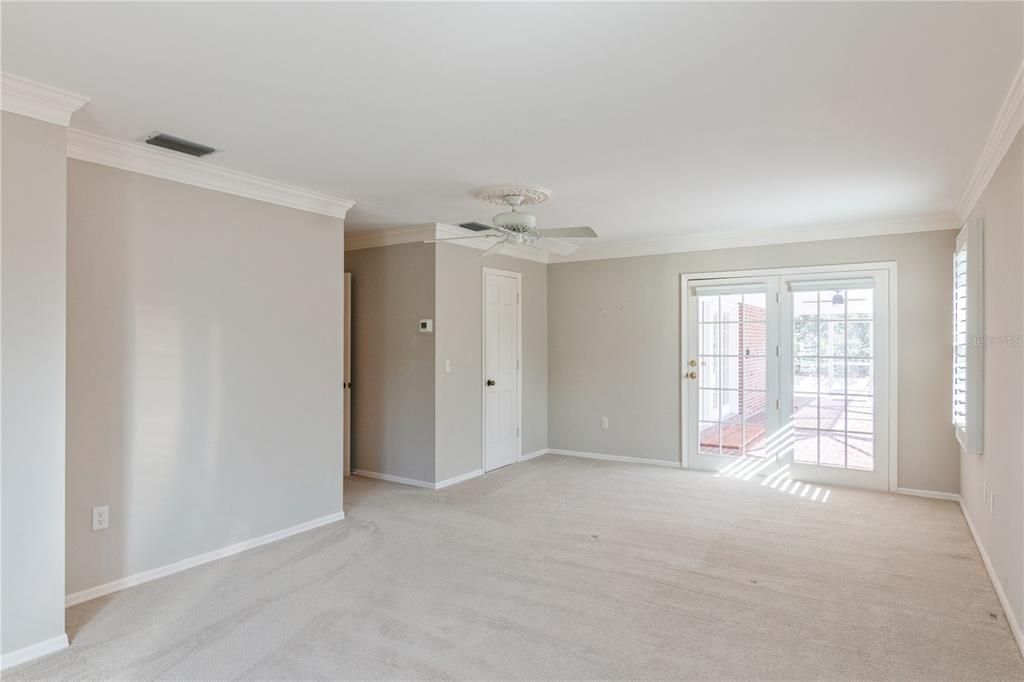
{"points": [[531, 455], [185, 564], [31, 653], [393, 479], [1011, 618], [615, 458], [458, 479], [934, 494], [415, 481]]}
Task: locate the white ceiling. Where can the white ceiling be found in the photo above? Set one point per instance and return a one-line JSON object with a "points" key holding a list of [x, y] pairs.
{"points": [[646, 120]]}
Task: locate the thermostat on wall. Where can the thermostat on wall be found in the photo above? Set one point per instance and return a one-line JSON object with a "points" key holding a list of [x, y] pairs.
{"points": [[426, 326]]}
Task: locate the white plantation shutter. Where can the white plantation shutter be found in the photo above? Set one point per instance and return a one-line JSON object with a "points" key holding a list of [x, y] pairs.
{"points": [[960, 338], [968, 339]]}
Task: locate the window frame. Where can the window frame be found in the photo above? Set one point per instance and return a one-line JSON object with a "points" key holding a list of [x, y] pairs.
{"points": [[970, 435]]}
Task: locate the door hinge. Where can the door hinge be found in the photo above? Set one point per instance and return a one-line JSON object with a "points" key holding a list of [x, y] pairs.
{"points": [[776, 351], [776, 403], [517, 432]]}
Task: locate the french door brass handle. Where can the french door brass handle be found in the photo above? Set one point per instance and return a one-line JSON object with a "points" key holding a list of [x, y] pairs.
{"points": [[692, 375]]}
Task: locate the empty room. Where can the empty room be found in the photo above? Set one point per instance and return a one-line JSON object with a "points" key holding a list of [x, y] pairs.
{"points": [[512, 340]]}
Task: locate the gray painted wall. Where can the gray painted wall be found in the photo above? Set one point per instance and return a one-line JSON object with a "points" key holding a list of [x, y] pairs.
{"points": [[205, 369], [459, 401], [614, 347], [33, 367], [392, 362], [1001, 466]]}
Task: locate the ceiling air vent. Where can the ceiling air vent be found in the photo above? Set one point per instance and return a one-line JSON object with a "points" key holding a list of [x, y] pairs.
{"points": [[476, 227], [177, 144]]}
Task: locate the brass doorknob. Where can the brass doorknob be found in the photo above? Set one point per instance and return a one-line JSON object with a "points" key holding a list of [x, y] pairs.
{"points": [[692, 375], [490, 382]]}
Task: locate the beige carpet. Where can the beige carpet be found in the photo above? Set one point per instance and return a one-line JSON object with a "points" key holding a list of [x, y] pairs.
{"points": [[569, 568]]}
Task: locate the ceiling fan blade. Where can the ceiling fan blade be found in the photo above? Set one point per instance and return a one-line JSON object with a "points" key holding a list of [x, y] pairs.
{"points": [[494, 249], [555, 246], [581, 232]]}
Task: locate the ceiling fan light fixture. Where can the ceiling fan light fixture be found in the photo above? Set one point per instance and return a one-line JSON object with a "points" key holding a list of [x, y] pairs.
{"points": [[520, 228]]}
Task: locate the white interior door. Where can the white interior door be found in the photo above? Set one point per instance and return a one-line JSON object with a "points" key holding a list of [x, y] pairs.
{"points": [[501, 359], [731, 370], [347, 377], [835, 382]]}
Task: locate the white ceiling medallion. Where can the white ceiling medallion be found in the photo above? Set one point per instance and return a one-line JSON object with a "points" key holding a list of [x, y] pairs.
{"points": [[35, 100], [161, 163], [497, 194]]}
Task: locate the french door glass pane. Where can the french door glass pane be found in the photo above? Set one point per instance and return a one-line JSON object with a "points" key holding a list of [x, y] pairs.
{"points": [[732, 368], [710, 438], [805, 410], [709, 401], [832, 446], [833, 369], [832, 413], [859, 451], [832, 377], [805, 446], [731, 305], [860, 414]]}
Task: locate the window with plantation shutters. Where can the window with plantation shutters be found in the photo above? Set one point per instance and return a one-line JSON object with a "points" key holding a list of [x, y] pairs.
{"points": [[968, 339], [960, 338]]}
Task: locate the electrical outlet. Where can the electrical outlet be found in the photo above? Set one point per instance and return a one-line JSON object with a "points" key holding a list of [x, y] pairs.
{"points": [[101, 517], [604, 422]]}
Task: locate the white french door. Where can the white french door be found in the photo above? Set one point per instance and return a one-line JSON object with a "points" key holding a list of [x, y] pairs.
{"points": [[732, 375], [791, 370]]}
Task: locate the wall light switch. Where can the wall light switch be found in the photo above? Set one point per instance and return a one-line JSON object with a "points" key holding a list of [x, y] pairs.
{"points": [[426, 326], [101, 517], [604, 422]]}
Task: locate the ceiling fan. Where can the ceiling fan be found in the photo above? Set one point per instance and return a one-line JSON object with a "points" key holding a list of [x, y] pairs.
{"points": [[515, 227]]}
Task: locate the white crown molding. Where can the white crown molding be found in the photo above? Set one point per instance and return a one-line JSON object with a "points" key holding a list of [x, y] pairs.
{"points": [[355, 241], [701, 241], [28, 98], [160, 163], [1007, 124], [709, 241]]}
